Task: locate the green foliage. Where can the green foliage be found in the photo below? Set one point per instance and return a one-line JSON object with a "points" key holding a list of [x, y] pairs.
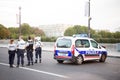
{"points": [[37, 31], [117, 35], [79, 29], [76, 30], [14, 32], [69, 31], [4, 32], [105, 34], [102, 36], [48, 39], [107, 40], [26, 30]]}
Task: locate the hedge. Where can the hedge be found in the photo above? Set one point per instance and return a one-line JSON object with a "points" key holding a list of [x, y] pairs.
{"points": [[107, 40]]}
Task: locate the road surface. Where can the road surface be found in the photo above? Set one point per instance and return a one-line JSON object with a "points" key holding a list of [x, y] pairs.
{"points": [[49, 69]]}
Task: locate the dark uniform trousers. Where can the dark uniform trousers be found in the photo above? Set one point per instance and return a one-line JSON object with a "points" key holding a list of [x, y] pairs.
{"points": [[11, 57], [38, 54], [20, 56], [30, 56]]}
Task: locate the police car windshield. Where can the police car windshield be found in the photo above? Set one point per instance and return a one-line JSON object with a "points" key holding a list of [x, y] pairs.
{"points": [[64, 43]]}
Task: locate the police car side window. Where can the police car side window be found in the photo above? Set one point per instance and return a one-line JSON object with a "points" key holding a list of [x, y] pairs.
{"points": [[81, 43], [87, 44], [64, 43], [94, 44], [77, 43]]}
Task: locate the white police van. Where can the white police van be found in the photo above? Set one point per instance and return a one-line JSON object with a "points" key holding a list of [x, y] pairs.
{"points": [[78, 49]]}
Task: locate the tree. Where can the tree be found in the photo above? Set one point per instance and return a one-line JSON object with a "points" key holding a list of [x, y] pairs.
{"points": [[117, 35], [80, 29], [69, 31], [14, 32], [105, 34], [37, 31], [25, 29], [4, 32], [76, 29]]}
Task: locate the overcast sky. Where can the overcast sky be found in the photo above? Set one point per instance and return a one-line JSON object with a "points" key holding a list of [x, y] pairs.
{"points": [[105, 13]]}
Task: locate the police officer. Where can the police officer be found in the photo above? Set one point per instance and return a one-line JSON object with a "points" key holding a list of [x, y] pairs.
{"points": [[38, 49], [11, 52], [20, 51], [29, 49]]}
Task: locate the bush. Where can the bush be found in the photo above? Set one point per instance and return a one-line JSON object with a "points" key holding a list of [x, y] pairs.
{"points": [[48, 39], [107, 40]]}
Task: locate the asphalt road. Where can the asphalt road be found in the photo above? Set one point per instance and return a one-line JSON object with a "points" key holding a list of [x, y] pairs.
{"points": [[49, 69]]}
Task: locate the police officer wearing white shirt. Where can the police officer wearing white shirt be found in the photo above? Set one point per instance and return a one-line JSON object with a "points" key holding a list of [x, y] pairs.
{"points": [[38, 49], [20, 51], [11, 52]]}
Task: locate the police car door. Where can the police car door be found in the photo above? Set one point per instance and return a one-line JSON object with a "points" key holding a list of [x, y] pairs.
{"points": [[94, 50], [82, 47]]}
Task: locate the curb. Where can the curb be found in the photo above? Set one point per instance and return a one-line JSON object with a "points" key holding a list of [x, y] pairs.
{"points": [[48, 50], [113, 56]]}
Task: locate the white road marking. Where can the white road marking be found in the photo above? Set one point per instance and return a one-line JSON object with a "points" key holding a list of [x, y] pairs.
{"points": [[35, 70]]}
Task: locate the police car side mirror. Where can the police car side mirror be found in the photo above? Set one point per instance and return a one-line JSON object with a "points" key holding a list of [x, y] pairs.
{"points": [[99, 47], [103, 46]]}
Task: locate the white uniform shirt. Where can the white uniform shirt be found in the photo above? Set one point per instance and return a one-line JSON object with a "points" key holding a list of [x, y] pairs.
{"points": [[29, 42], [21, 44], [38, 44], [12, 47]]}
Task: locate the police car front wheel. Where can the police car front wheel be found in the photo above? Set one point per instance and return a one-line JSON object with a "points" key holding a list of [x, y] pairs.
{"points": [[103, 58]]}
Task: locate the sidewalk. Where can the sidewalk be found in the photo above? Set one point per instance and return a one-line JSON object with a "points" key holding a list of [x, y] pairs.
{"points": [[111, 53]]}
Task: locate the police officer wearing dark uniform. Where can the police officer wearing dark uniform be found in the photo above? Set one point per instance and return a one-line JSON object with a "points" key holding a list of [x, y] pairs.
{"points": [[20, 51], [11, 52], [29, 48]]}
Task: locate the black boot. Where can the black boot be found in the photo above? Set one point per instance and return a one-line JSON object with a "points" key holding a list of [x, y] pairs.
{"points": [[11, 66], [17, 66], [32, 63], [28, 64], [40, 61], [22, 65], [35, 61]]}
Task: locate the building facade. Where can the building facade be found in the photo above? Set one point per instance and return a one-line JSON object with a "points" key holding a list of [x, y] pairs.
{"points": [[54, 30]]}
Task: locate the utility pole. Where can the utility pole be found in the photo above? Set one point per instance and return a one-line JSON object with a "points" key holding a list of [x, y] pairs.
{"points": [[89, 18], [19, 21]]}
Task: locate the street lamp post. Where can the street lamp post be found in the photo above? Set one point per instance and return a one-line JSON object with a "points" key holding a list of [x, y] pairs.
{"points": [[89, 18], [19, 20]]}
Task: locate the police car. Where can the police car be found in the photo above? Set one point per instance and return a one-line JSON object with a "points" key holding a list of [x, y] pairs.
{"points": [[78, 49]]}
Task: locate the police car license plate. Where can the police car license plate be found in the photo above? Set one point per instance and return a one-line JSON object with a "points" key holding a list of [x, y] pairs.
{"points": [[62, 54]]}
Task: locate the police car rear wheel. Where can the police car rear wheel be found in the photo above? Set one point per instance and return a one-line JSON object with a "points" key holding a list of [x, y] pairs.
{"points": [[79, 60], [103, 58], [60, 61]]}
